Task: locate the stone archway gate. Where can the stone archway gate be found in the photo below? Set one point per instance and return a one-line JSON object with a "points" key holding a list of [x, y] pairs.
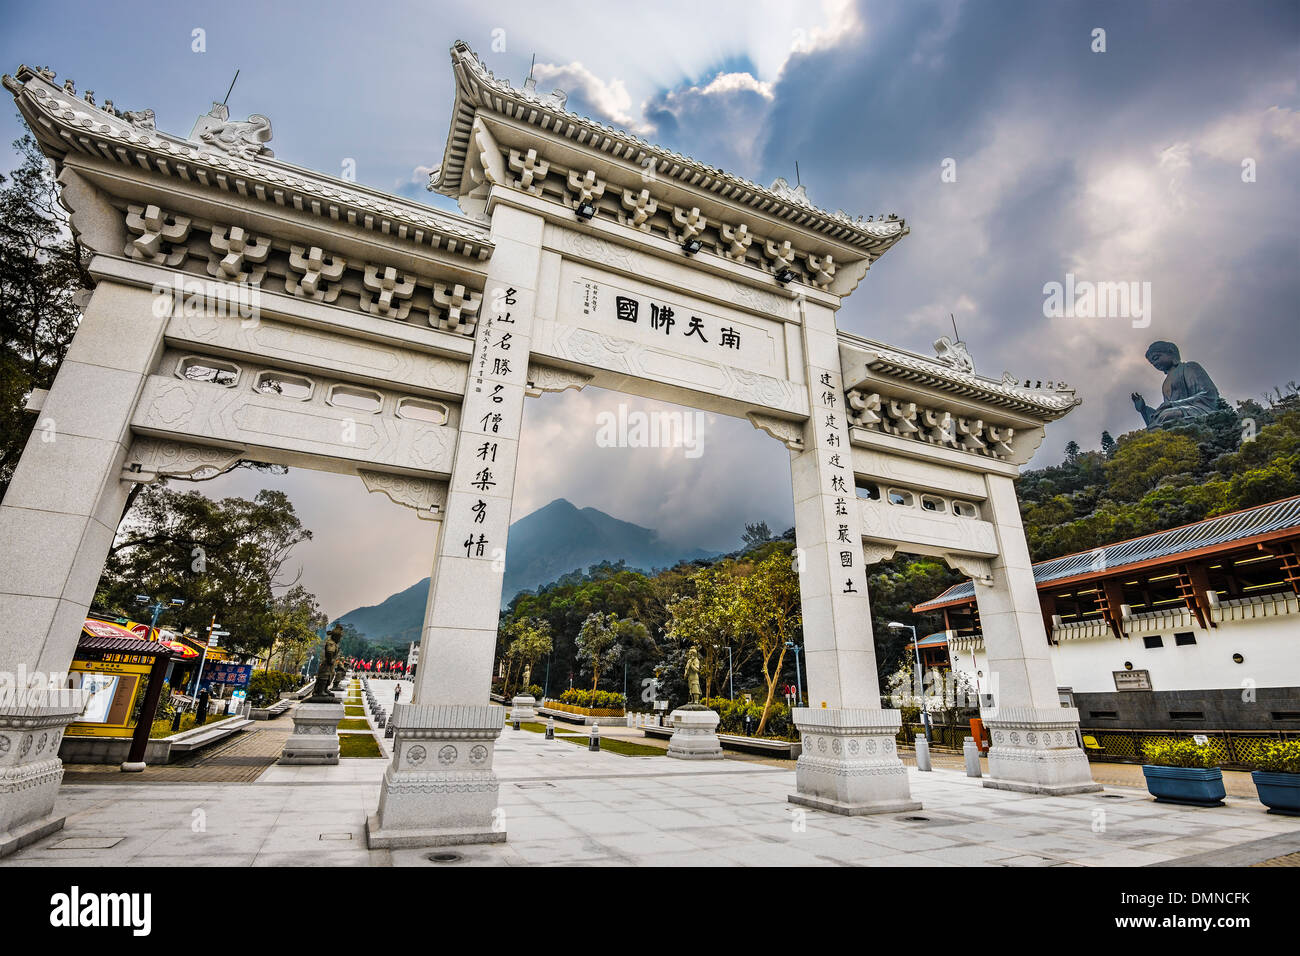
{"points": [[247, 308]]}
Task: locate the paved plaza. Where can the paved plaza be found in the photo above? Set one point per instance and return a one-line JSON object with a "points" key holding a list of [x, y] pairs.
{"points": [[564, 805]]}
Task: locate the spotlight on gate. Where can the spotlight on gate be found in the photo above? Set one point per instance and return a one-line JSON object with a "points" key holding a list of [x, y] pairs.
{"points": [[691, 246], [585, 210], [784, 275]]}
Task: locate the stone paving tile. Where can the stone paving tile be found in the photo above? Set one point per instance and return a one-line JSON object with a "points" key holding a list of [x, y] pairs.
{"points": [[604, 809]]}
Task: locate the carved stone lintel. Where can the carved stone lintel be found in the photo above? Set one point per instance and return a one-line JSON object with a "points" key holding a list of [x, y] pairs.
{"points": [[979, 569], [640, 208], [237, 256], [159, 236], [461, 308], [151, 458], [393, 290], [314, 273], [585, 188], [427, 496], [783, 430], [545, 378]]}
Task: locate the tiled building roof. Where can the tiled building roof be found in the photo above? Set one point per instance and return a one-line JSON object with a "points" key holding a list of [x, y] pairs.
{"points": [[1212, 533]]}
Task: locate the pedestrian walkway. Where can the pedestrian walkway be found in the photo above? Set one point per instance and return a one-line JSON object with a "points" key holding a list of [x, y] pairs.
{"points": [[562, 804], [240, 759]]}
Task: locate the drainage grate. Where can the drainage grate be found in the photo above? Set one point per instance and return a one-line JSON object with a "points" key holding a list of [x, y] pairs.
{"points": [[444, 857], [87, 843], [916, 819], [534, 786], [335, 836], [1112, 796]]}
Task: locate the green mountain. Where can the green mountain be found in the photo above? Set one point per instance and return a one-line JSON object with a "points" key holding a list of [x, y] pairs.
{"points": [[550, 542]]}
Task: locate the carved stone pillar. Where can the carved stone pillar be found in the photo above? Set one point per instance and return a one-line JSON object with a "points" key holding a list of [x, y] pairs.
{"points": [[1035, 747], [57, 523], [440, 787], [849, 762]]}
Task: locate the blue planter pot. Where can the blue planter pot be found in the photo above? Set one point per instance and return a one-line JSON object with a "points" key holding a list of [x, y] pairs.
{"points": [[1189, 786], [1280, 792]]}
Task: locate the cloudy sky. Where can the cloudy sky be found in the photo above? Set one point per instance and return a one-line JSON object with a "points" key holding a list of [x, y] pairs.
{"points": [[1122, 165]]}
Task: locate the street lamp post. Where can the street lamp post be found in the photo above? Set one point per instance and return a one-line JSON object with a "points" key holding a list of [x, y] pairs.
{"points": [[925, 713], [798, 673]]}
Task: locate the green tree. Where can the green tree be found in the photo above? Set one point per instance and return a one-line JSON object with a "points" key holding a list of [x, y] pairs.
{"points": [[1145, 459], [529, 641], [768, 607], [42, 273], [225, 558], [297, 620], [598, 643]]}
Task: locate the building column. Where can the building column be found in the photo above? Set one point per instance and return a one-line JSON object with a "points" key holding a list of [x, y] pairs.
{"points": [[440, 788], [57, 522], [850, 762], [1035, 746]]}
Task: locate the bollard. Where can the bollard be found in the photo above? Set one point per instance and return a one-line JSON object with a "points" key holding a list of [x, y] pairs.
{"points": [[594, 743], [972, 752], [516, 725], [922, 753], [550, 728]]}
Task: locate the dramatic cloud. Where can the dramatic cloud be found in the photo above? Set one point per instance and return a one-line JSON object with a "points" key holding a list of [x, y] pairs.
{"points": [[1122, 165]]}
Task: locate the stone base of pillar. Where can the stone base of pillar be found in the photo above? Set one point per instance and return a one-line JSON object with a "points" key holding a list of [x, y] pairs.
{"points": [[31, 729], [850, 763], [1037, 751], [315, 737], [440, 789], [695, 735], [523, 708]]}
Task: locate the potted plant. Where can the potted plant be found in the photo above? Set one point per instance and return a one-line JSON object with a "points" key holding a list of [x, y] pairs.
{"points": [[1277, 777], [1182, 771]]}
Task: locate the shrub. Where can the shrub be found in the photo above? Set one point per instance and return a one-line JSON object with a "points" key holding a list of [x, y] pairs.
{"points": [[1178, 753], [266, 686], [732, 714], [594, 699], [1281, 757]]}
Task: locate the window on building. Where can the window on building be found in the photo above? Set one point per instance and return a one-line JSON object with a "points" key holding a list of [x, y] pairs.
{"points": [[931, 503], [195, 369], [360, 399], [1186, 715], [286, 386], [870, 492], [420, 410], [1154, 640], [1103, 714], [903, 498], [1184, 638], [964, 509]]}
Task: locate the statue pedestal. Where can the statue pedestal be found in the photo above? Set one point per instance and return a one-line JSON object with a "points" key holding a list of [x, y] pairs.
{"points": [[523, 708], [850, 763], [31, 729], [1037, 751], [440, 789], [695, 735], [315, 737]]}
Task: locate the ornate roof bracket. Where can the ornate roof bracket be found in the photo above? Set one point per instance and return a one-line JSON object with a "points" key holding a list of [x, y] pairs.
{"points": [[783, 430], [547, 378], [152, 458], [873, 552], [427, 496], [979, 569]]}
